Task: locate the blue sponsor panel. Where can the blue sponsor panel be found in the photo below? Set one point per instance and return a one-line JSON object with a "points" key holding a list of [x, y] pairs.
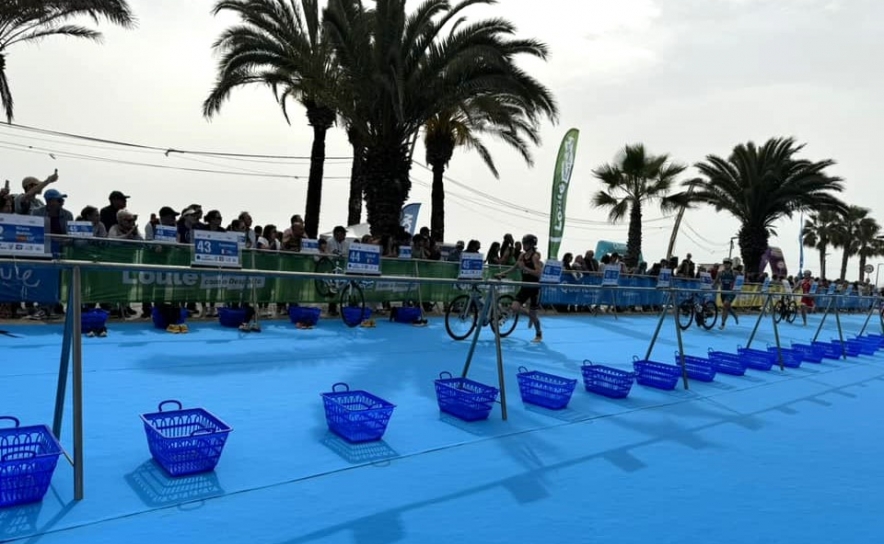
{"points": [[22, 283]]}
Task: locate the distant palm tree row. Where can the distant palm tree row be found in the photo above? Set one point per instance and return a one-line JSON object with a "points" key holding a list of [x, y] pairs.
{"points": [[757, 185]]}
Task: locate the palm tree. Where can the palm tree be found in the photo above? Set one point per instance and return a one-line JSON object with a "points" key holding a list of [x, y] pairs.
{"points": [[760, 185], [870, 244], [23, 21], [819, 232], [354, 204], [634, 179], [462, 126], [855, 230], [399, 70], [282, 45]]}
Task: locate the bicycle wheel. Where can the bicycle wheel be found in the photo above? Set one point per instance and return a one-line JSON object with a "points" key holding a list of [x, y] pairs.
{"points": [[461, 317], [686, 314], [708, 315], [779, 311], [507, 319], [352, 305], [324, 287], [791, 312]]}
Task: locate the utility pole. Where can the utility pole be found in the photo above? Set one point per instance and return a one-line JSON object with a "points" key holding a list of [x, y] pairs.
{"points": [[678, 220]]}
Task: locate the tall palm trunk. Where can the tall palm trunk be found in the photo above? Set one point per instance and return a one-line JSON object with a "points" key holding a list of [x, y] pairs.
{"points": [[823, 248], [844, 258], [753, 243], [386, 185], [354, 206], [634, 240], [321, 119], [862, 265], [440, 149]]}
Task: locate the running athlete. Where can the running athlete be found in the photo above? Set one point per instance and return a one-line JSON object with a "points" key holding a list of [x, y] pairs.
{"points": [[806, 297], [726, 279], [531, 266]]}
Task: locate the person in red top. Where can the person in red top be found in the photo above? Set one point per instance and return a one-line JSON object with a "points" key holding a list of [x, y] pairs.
{"points": [[806, 297]]}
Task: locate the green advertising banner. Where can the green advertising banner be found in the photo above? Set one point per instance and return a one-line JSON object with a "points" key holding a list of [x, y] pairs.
{"points": [[212, 285], [561, 182]]}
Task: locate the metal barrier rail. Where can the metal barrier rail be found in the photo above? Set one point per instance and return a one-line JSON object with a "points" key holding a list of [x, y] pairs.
{"points": [[72, 342]]}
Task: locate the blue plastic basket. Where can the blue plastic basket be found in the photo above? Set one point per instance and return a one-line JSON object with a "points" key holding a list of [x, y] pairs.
{"points": [[464, 398], [304, 315], [356, 416], [872, 340], [231, 317], [160, 322], [875, 337], [859, 347], [792, 358], [545, 390], [185, 441], [757, 359], [809, 354], [830, 350], [28, 456], [351, 315], [727, 363], [698, 368], [656, 375], [606, 381], [407, 314], [93, 319]]}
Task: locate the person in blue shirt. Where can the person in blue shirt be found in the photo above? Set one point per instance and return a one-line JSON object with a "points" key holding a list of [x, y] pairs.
{"points": [[726, 279]]}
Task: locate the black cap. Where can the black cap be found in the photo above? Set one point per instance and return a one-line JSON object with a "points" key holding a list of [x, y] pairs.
{"points": [[166, 211], [116, 195], [339, 228]]}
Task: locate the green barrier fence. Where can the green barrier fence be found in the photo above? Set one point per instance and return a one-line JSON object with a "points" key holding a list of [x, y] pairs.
{"points": [[209, 285]]}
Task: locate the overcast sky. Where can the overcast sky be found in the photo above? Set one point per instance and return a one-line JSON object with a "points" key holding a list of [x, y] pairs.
{"points": [[686, 77]]}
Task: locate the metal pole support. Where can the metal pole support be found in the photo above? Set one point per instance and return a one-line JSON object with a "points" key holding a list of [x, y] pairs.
{"points": [[77, 382], [764, 308], [663, 313], [684, 369], [483, 317], [495, 326], [64, 366], [823, 320]]}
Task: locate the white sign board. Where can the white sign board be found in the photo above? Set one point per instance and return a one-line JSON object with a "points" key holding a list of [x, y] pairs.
{"points": [[165, 234], [706, 281], [471, 266], [664, 280], [309, 246], [612, 275], [219, 249], [23, 236], [80, 229], [364, 259], [552, 272]]}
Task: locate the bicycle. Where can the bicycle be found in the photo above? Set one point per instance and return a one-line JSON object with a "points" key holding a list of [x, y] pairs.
{"points": [[697, 310], [785, 309], [465, 309], [351, 290]]}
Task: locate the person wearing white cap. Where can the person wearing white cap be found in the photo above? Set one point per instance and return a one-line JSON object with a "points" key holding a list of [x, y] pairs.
{"points": [[126, 227]]}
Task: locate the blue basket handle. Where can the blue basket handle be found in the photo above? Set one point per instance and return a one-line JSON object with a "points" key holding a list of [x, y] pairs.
{"points": [[12, 419], [522, 370], [739, 347], [634, 358], [709, 350], [199, 432], [27, 454], [165, 402], [445, 373], [335, 387], [587, 362]]}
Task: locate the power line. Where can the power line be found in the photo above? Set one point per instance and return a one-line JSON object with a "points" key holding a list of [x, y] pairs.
{"points": [[166, 150], [24, 148]]}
